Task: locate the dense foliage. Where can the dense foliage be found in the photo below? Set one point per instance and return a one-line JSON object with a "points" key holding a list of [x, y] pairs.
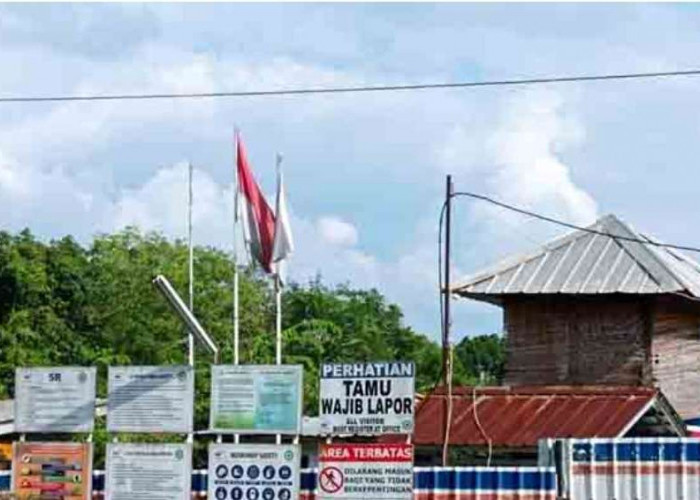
{"points": [[63, 304]]}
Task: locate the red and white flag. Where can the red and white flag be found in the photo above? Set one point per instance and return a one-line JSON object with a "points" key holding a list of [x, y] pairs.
{"points": [[257, 216]]}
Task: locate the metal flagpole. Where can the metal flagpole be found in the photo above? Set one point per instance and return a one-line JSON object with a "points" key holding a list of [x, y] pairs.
{"points": [[278, 302], [236, 357], [190, 336], [278, 299]]}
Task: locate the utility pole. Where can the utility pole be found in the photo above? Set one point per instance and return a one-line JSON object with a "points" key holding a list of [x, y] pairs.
{"points": [[446, 350], [446, 291]]}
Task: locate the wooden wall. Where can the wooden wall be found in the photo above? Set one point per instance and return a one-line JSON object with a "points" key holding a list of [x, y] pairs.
{"points": [[578, 340], [676, 355]]}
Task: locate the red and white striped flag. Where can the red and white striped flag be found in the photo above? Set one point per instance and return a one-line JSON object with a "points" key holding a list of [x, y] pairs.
{"points": [[257, 216]]}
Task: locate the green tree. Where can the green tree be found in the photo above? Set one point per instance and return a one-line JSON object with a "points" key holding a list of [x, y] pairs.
{"points": [[483, 356]]}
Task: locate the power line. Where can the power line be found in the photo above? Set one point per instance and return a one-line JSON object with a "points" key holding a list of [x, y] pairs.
{"points": [[348, 90], [574, 226]]}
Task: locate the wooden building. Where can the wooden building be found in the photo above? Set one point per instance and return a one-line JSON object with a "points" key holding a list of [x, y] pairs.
{"points": [[596, 307]]}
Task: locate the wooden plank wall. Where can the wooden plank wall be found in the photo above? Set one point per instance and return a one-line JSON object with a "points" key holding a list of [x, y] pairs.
{"points": [[676, 356], [553, 340]]}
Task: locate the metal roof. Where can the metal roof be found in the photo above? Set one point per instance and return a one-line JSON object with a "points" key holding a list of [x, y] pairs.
{"points": [[586, 263], [520, 416]]}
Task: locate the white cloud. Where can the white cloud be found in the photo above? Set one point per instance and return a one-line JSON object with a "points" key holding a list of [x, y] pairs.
{"points": [[528, 169], [161, 204], [336, 231], [84, 168], [518, 157]]}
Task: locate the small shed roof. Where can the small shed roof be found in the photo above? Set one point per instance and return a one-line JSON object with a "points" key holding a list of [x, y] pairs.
{"points": [[583, 262], [516, 417]]}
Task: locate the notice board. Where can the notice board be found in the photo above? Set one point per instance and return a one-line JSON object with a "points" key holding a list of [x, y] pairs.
{"points": [[150, 399], [253, 472], [138, 471], [256, 399], [58, 399], [52, 470], [367, 398]]}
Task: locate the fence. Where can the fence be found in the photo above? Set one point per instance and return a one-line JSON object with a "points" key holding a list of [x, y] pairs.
{"points": [[430, 483], [626, 468]]}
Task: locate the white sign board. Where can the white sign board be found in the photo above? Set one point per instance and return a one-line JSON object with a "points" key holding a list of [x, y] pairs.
{"points": [[365, 471], [60, 399], [367, 398], [256, 399], [150, 399], [148, 471], [253, 472]]}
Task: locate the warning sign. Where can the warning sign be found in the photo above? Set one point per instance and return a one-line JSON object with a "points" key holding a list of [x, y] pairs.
{"points": [[367, 398], [253, 472], [364, 471]]}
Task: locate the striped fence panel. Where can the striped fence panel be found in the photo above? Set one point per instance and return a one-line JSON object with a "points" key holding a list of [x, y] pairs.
{"points": [[430, 483], [632, 468]]}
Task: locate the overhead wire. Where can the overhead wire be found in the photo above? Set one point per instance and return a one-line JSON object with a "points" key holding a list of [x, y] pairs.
{"points": [[576, 227], [354, 89]]}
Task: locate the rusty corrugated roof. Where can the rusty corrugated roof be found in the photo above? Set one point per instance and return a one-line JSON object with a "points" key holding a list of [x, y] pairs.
{"points": [[520, 416], [586, 263]]}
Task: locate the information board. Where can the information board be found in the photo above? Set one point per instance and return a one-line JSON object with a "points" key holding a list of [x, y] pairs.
{"points": [[365, 471], [367, 398], [52, 470], [60, 399], [256, 399], [253, 472], [148, 471], [150, 399]]}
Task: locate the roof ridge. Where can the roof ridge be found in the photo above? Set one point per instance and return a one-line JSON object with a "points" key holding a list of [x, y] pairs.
{"points": [[650, 269], [653, 250]]}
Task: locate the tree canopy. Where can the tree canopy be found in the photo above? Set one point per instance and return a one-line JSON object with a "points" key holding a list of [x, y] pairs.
{"points": [[65, 304]]}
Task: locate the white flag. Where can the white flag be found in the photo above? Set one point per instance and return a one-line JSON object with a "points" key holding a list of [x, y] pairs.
{"points": [[284, 243]]}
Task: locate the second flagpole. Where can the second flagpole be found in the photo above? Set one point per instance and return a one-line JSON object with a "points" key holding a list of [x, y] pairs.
{"points": [[278, 302]]}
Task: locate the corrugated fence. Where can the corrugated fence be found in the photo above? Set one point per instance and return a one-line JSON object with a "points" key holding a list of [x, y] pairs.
{"points": [[627, 469], [430, 483]]}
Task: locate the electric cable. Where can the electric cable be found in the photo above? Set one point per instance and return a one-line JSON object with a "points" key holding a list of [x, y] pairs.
{"points": [[574, 226], [354, 89]]}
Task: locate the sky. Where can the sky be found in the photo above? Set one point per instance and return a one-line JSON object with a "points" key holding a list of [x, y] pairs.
{"points": [[365, 173]]}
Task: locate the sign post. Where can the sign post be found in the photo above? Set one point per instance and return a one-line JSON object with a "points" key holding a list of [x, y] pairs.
{"points": [[367, 398], [365, 471]]}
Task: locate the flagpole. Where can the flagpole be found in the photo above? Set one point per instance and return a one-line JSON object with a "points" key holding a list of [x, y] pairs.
{"points": [[278, 302], [236, 332], [190, 336], [236, 338]]}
